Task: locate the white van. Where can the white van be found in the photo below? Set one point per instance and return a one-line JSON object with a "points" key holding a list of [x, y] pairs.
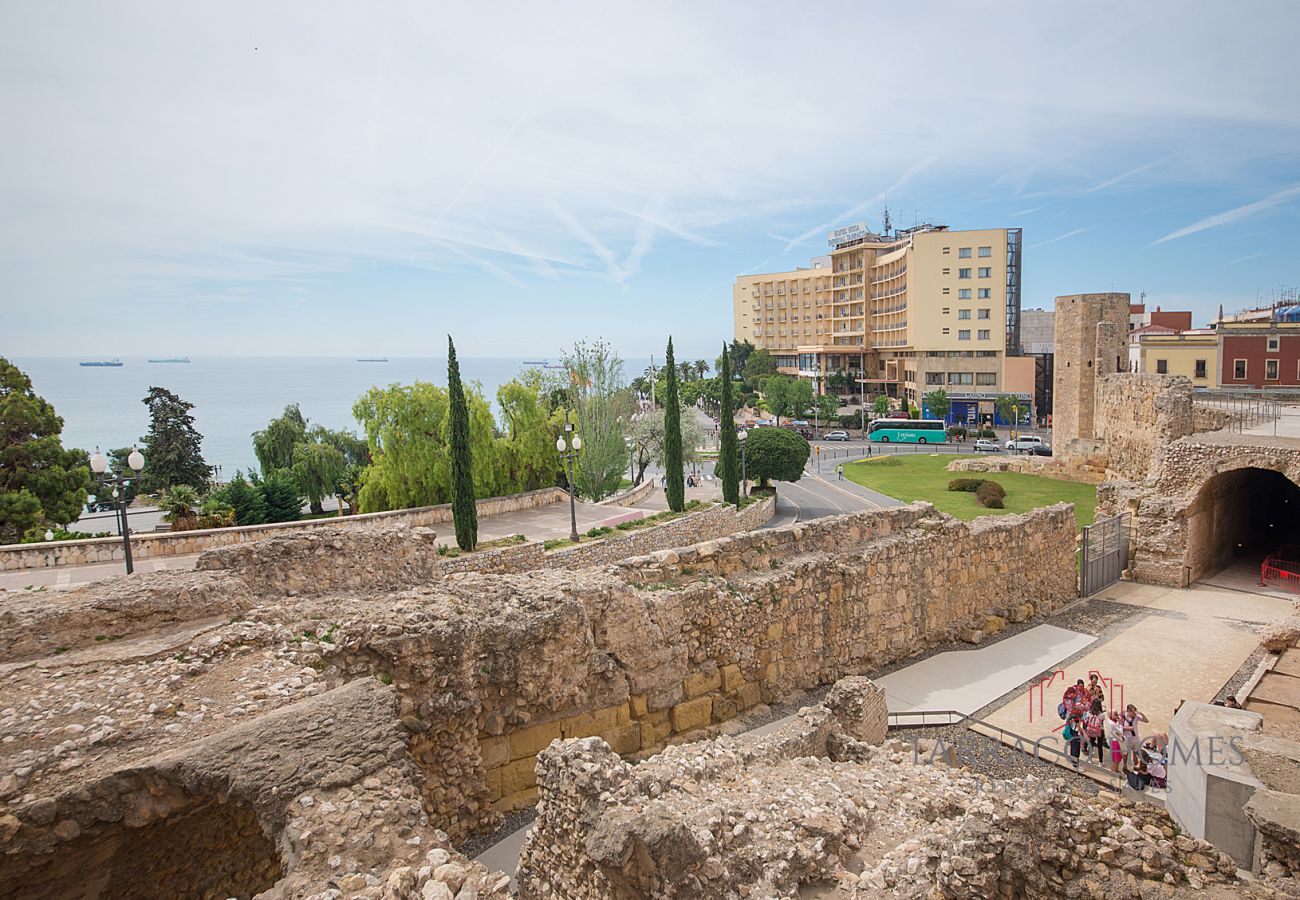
{"points": [[1025, 443]]}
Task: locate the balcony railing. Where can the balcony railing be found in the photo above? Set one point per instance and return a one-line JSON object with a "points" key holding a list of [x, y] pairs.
{"points": [[901, 289], [899, 274], [893, 309]]}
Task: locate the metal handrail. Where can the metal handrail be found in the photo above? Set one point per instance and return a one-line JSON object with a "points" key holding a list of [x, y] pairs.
{"points": [[955, 717]]}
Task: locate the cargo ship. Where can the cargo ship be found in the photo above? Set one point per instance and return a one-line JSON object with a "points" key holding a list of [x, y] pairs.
{"points": [[178, 359], [103, 363], [372, 359]]}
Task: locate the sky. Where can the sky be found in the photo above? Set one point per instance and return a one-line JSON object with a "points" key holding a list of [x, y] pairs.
{"points": [[321, 178]]}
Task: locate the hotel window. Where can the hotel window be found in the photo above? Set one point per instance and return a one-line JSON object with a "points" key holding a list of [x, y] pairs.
{"points": [[986, 293], [986, 251], [963, 335], [986, 378], [961, 273], [961, 378], [934, 378], [963, 294], [1238, 368], [964, 253], [1270, 369], [983, 334], [983, 314], [1200, 368], [1273, 344], [986, 272], [1162, 367], [963, 313]]}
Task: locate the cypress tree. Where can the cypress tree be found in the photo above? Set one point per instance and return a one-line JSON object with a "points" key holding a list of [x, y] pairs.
{"points": [[728, 451], [464, 512], [673, 437]]}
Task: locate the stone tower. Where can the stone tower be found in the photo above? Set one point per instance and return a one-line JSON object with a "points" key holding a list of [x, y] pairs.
{"points": [[1091, 339]]}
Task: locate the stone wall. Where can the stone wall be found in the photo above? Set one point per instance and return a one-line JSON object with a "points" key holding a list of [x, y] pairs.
{"points": [[1087, 469], [678, 642], [1090, 336], [184, 543], [1137, 417]]}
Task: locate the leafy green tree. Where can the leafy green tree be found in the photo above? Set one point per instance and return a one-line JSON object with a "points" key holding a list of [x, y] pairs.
{"points": [[880, 406], [245, 499], [701, 368], [739, 352], [280, 494], [786, 396], [1008, 407], [728, 445], [938, 404], [317, 467], [758, 364], [775, 453], [464, 510], [354, 449], [647, 433], [404, 427], [599, 395], [531, 458], [674, 465], [173, 449], [180, 506], [274, 444], [41, 483], [828, 408]]}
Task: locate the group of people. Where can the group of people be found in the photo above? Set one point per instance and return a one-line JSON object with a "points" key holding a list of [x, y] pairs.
{"points": [[1113, 733]]}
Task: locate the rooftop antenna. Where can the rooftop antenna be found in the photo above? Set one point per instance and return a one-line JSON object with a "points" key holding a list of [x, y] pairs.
{"points": [[886, 226]]}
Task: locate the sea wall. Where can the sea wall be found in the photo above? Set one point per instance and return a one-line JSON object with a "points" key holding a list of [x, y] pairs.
{"points": [[183, 543]]}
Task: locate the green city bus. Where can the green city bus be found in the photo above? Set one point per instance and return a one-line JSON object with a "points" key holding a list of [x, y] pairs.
{"points": [[908, 431]]}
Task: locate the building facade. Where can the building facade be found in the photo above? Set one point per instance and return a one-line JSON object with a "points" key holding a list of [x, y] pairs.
{"points": [[1259, 355], [1194, 354], [898, 314]]}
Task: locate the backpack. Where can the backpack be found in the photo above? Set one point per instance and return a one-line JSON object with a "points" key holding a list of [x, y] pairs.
{"points": [[1093, 725], [1062, 709], [1069, 733]]}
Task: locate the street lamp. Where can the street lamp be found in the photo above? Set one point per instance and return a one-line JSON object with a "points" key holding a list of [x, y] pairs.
{"points": [[99, 465], [570, 454], [744, 473]]}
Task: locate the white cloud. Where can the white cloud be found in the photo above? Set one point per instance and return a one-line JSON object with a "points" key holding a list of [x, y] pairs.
{"points": [[161, 150], [1060, 237], [1232, 215]]}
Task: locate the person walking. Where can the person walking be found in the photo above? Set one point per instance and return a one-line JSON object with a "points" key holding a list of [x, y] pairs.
{"points": [[839, 473], [1072, 734]]}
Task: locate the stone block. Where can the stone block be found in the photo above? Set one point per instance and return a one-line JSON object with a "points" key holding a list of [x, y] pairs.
{"points": [[533, 739], [624, 740], [517, 776], [492, 777], [994, 624], [495, 751], [774, 631], [692, 714], [699, 684], [731, 678], [519, 800], [749, 694], [1021, 613], [587, 724], [655, 728], [638, 704], [972, 635]]}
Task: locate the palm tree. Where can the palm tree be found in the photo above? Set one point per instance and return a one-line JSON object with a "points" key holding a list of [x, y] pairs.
{"points": [[685, 370], [701, 369], [180, 506]]}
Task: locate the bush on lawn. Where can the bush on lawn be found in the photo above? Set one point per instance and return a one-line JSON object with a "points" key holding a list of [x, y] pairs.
{"points": [[991, 494], [970, 485]]}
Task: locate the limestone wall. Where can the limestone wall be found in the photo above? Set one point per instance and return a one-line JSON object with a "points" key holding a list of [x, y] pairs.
{"points": [[184, 543], [1088, 469], [1090, 335], [678, 642], [1137, 417]]}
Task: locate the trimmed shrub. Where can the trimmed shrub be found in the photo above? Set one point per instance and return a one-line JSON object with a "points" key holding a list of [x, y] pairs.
{"points": [[970, 485], [990, 494]]}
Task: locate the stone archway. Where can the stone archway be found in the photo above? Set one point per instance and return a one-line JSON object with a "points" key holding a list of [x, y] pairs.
{"points": [[1241, 512]]}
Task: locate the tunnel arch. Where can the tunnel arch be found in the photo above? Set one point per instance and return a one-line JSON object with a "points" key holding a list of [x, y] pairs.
{"points": [[1244, 511]]}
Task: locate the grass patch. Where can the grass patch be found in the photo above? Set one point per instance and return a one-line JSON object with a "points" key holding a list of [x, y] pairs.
{"points": [[909, 478], [600, 532], [507, 541]]}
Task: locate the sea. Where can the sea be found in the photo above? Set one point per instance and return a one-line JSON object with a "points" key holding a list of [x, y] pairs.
{"points": [[235, 396]]}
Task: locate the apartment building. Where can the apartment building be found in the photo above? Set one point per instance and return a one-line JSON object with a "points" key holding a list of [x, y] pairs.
{"points": [[900, 313], [1193, 353]]}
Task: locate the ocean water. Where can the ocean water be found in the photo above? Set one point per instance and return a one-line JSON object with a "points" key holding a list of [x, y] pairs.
{"points": [[235, 396]]}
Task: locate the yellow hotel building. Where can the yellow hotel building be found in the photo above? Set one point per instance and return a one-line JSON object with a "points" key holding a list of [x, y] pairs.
{"points": [[901, 314]]}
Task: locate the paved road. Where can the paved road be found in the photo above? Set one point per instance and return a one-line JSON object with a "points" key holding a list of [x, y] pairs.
{"points": [[815, 496]]}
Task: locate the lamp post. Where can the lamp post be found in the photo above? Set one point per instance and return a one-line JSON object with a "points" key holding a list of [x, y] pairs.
{"points": [[99, 465], [569, 451], [744, 473]]}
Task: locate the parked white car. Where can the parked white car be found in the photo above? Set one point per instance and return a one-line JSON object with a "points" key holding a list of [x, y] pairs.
{"points": [[1025, 443], [986, 445]]}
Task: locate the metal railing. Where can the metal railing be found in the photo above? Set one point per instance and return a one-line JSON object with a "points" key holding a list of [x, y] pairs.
{"points": [[1245, 410]]}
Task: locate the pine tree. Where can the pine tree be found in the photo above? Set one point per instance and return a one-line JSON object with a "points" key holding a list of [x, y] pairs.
{"points": [[674, 468], [728, 451], [464, 512], [173, 449]]}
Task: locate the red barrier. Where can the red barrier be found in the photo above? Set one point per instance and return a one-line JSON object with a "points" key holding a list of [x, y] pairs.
{"points": [[1282, 569]]}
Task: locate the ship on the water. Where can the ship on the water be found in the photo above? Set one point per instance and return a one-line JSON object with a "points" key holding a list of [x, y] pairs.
{"points": [[372, 359], [102, 363], [535, 362], [177, 359]]}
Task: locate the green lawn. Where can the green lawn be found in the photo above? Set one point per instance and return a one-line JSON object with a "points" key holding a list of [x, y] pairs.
{"points": [[924, 477]]}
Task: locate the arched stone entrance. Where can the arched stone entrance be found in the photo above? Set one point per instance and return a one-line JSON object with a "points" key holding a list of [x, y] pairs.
{"points": [[1239, 513]]}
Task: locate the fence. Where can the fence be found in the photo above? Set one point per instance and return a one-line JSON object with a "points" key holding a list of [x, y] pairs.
{"points": [[1104, 553], [1282, 568], [1246, 410]]}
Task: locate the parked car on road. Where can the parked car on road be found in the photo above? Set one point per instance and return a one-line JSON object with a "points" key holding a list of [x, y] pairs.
{"points": [[1024, 444], [1042, 450], [984, 444], [835, 436]]}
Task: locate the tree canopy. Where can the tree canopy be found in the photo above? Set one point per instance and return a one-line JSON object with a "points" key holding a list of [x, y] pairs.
{"points": [[173, 449], [674, 464], [937, 402], [759, 363], [41, 483], [599, 395], [775, 454], [464, 510], [786, 397], [728, 452]]}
